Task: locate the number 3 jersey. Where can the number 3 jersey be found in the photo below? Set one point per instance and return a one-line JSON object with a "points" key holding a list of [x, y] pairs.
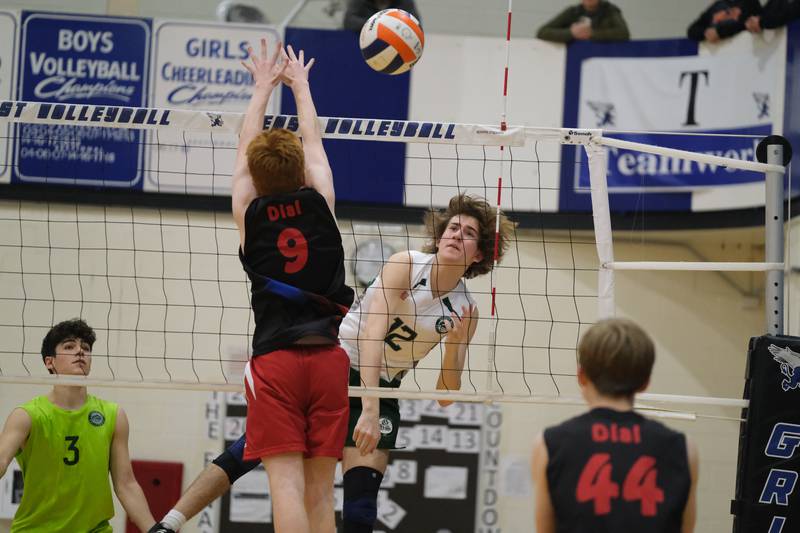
{"points": [[418, 324], [65, 465], [611, 471], [294, 258]]}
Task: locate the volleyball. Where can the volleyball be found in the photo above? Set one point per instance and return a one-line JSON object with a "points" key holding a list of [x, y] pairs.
{"points": [[392, 41]]}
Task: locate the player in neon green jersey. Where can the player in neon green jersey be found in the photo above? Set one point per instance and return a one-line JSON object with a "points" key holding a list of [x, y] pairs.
{"points": [[66, 443]]}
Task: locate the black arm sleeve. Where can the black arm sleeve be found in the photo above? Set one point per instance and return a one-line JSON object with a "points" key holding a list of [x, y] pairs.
{"points": [[697, 29], [729, 28], [778, 13], [750, 8], [356, 15]]}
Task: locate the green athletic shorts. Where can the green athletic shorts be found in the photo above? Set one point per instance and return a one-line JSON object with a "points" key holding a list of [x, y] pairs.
{"points": [[389, 417]]}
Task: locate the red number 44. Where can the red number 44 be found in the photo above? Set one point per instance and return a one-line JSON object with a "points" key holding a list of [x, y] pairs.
{"points": [[595, 484]]}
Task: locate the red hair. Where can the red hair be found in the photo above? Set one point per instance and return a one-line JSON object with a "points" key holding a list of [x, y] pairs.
{"points": [[276, 162]]}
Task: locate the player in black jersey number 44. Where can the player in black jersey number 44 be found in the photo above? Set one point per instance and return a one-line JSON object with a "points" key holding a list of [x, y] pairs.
{"points": [[611, 469]]}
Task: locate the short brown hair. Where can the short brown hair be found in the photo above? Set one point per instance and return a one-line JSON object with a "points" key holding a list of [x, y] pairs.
{"points": [[617, 356], [486, 215], [276, 163]]}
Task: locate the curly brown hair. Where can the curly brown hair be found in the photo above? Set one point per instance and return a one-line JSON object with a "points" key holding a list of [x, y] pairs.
{"points": [[276, 162], [474, 206]]}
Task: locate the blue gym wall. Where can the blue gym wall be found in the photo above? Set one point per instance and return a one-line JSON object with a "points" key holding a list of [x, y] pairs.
{"points": [[344, 86]]}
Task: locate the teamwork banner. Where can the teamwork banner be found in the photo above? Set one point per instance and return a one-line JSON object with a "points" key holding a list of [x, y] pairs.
{"points": [[198, 66], [730, 94], [791, 121], [68, 59], [701, 94], [767, 487], [8, 54]]}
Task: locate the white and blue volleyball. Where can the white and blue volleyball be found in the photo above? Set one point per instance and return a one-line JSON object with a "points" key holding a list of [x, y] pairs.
{"points": [[392, 41]]}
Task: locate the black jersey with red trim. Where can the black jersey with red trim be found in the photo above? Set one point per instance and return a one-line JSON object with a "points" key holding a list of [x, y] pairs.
{"points": [[612, 471], [294, 258]]}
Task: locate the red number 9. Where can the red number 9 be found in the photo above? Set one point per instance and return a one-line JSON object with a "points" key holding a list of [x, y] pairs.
{"points": [[293, 246]]}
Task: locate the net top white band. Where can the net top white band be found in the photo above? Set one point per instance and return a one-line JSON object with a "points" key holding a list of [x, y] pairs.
{"points": [[226, 122], [147, 118], [482, 397]]}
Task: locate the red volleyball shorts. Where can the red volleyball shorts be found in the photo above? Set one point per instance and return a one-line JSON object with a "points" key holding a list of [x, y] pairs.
{"points": [[297, 402]]}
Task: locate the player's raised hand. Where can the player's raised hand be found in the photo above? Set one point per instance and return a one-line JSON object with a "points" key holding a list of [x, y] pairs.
{"points": [[296, 67], [265, 69]]}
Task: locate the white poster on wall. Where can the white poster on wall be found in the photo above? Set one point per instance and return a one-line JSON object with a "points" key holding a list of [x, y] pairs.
{"points": [[8, 56], [685, 93], [198, 66], [250, 499]]}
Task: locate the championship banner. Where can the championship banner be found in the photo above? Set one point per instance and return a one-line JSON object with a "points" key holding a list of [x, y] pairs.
{"points": [[767, 492], [198, 66], [68, 59], [8, 53]]}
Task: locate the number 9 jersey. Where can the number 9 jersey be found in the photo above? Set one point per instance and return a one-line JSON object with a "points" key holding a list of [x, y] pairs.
{"points": [[294, 258]]}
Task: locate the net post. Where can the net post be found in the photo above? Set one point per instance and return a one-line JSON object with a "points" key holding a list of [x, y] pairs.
{"points": [[601, 217], [774, 242]]}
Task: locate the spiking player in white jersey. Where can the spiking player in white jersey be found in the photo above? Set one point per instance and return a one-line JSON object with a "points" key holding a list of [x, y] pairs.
{"points": [[418, 300], [420, 317]]}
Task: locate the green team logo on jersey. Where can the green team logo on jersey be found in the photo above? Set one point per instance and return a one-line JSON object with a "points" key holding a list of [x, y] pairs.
{"points": [[96, 418], [444, 324]]}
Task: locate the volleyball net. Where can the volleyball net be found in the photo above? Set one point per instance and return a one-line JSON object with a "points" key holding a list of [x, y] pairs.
{"points": [[164, 288]]}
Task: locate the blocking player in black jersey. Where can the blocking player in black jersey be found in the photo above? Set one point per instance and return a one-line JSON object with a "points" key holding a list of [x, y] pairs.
{"points": [[611, 469], [291, 249]]}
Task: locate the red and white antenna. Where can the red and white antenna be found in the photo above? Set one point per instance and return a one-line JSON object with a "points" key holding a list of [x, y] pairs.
{"points": [[503, 127]]}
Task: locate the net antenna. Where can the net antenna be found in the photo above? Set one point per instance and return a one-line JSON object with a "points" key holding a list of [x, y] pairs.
{"points": [[442, 159], [490, 382]]}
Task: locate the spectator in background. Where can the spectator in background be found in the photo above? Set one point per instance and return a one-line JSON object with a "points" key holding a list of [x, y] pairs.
{"points": [[596, 20], [724, 18], [776, 13], [359, 11]]}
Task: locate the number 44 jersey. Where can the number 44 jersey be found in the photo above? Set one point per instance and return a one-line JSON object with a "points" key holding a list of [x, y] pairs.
{"points": [[294, 257], [415, 328], [611, 471]]}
